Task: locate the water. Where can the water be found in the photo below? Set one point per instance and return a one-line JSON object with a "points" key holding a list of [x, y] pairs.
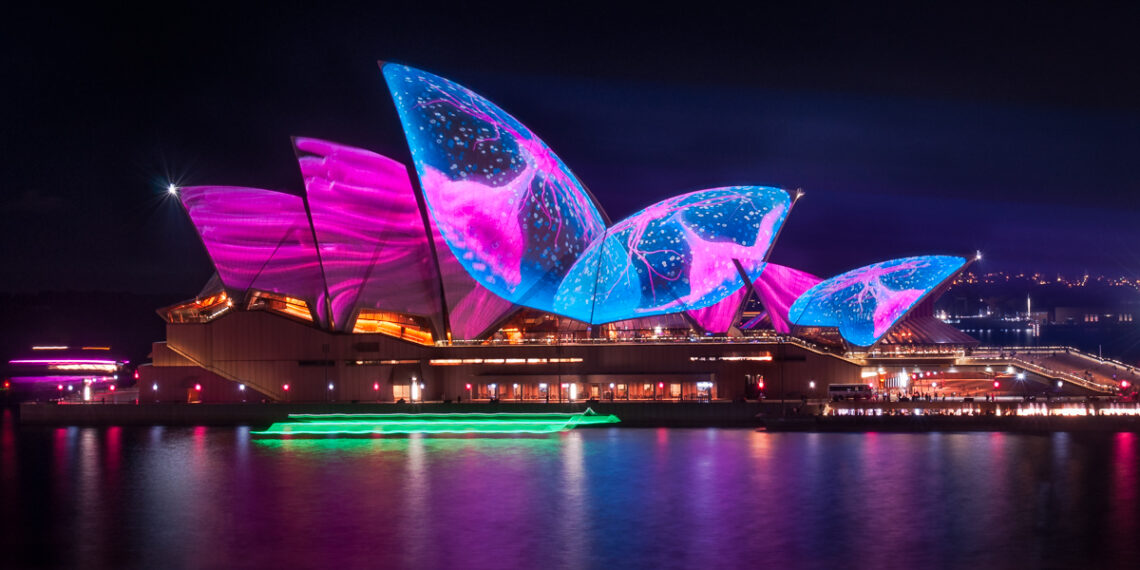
{"points": [[655, 498]]}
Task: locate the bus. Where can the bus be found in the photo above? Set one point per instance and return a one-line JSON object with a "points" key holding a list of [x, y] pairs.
{"points": [[839, 392]]}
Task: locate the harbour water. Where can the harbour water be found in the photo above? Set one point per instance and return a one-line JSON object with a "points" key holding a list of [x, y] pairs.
{"points": [[197, 497]]}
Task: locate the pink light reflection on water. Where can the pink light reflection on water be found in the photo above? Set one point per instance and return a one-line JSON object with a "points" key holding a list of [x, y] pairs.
{"points": [[591, 498], [8, 456], [1125, 478]]}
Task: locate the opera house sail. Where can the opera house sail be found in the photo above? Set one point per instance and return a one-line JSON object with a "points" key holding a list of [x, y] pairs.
{"points": [[489, 236]]}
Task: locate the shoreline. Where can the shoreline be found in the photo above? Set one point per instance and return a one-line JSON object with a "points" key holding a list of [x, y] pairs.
{"points": [[933, 424], [757, 415], [636, 414]]}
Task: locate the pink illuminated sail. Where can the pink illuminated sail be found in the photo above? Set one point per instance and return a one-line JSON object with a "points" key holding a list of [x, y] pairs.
{"points": [[778, 288], [373, 246], [471, 308], [719, 318], [258, 239]]}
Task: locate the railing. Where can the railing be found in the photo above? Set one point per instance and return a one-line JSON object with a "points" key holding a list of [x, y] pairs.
{"points": [[751, 339], [879, 354], [1006, 355], [607, 341], [218, 371]]}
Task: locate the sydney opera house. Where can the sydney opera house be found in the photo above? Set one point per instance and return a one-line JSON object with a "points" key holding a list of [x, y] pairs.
{"points": [[489, 271]]}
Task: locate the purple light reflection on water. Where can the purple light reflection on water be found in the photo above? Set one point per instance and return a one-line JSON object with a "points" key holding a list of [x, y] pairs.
{"points": [[211, 497], [1125, 478]]}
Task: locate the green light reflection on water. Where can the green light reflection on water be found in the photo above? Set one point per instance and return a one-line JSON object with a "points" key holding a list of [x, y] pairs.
{"points": [[546, 443]]}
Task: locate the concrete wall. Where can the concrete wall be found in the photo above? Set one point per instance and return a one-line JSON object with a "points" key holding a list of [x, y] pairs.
{"points": [[266, 352]]}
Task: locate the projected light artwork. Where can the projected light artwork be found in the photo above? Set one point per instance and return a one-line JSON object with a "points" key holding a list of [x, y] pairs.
{"points": [[365, 218], [778, 288], [381, 424], [509, 209], [503, 223], [719, 317], [258, 239], [675, 255], [865, 302]]}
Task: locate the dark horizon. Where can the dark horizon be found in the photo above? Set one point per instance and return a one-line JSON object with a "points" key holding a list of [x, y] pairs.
{"points": [[918, 131]]}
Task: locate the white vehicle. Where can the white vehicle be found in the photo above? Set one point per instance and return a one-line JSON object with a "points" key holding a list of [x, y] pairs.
{"points": [[839, 392]]}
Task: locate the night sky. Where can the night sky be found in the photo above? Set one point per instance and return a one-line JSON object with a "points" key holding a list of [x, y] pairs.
{"points": [[912, 129]]}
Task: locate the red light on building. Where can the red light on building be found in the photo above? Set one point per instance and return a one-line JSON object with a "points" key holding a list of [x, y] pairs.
{"points": [[760, 384], [136, 374], [376, 386], [468, 386], [112, 387], [285, 387], [1124, 384], [997, 384], [198, 387], [60, 387], [660, 384], [7, 384]]}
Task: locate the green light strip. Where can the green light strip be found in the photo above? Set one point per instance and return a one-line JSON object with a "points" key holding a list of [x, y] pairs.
{"points": [[365, 424]]}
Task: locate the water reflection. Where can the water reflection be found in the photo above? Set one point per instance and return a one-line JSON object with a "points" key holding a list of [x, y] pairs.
{"points": [[208, 497], [1125, 478]]}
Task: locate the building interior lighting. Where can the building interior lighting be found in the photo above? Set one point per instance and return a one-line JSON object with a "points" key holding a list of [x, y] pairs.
{"points": [[512, 361]]}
